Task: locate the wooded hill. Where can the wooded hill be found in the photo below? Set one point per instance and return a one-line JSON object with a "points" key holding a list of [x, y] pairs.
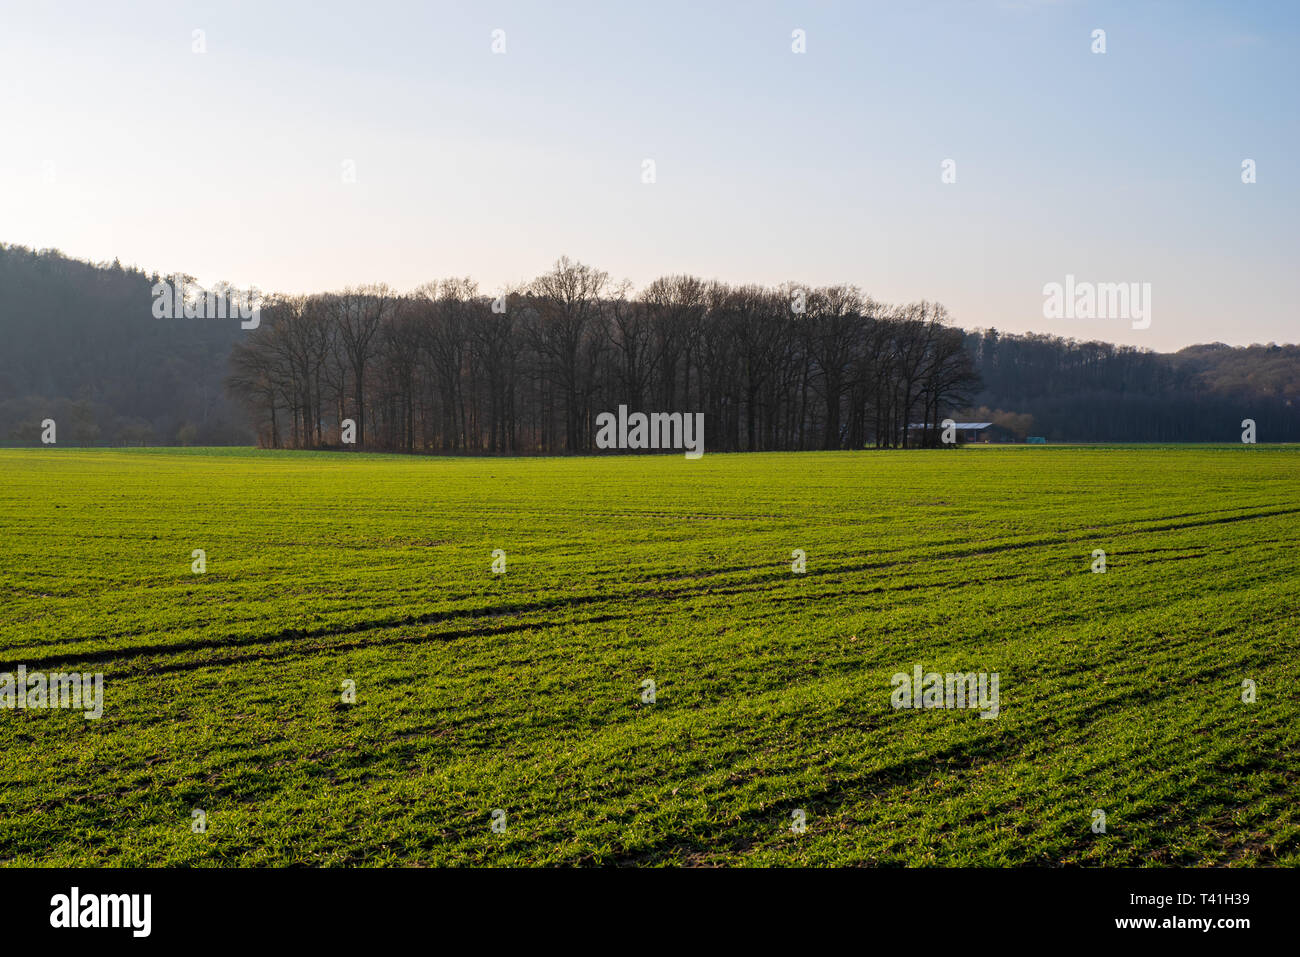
{"points": [[81, 346], [1100, 392], [438, 369]]}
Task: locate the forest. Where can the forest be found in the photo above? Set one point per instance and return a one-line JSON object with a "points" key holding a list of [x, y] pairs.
{"points": [[1071, 391], [449, 368]]}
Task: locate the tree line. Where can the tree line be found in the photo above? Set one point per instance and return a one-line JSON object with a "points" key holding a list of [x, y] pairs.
{"points": [[439, 369], [447, 368]]}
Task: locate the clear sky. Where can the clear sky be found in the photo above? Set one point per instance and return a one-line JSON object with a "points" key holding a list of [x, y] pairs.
{"points": [[117, 140]]}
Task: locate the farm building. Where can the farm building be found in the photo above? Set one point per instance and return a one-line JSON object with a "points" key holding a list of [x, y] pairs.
{"points": [[968, 433]]}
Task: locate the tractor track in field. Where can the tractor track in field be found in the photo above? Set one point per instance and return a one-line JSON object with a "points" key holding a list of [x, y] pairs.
{"points": [[719, 590]]}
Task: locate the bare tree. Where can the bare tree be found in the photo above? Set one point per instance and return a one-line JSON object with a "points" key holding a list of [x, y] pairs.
{"points": [[359, 313], [569, 301]]}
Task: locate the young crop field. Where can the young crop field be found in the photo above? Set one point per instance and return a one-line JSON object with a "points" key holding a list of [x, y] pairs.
{"points": [[509, 718]]}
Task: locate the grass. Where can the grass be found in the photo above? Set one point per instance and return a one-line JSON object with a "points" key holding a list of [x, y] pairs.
{"points": [[523, 692]]}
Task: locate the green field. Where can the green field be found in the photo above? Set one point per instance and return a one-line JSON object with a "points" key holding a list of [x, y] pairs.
{"points": [[522, 692]]}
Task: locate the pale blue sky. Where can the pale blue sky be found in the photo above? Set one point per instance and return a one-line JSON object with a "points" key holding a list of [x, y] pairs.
{"points": [[771, 166]]}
